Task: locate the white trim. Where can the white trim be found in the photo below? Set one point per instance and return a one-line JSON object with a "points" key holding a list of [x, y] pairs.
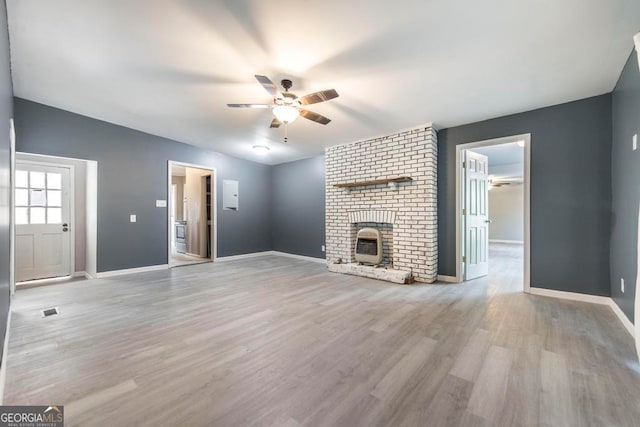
{"points": [[5, 354], [527, 201], [12, 220], [448, 279], [507, 242], [214, 206], [80, 274], [243, 256], [573, 296], [622, 317], [593, 299], [302, 257], [267, 253], [113, 273]]}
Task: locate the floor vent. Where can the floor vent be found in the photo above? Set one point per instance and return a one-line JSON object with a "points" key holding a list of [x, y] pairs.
{"points": [[50, 311]]}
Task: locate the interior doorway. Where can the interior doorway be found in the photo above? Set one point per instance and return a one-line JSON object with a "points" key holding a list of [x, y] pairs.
{"points": [[54, 227], [191, 214], [492, 202]]}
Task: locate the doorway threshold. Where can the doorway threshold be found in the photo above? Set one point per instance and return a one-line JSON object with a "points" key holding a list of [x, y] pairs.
{"points": [[49, 281]]}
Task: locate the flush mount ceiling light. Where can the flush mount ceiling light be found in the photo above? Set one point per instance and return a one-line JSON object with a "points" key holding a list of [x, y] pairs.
{"points": [[261, 149], [287, 106]]}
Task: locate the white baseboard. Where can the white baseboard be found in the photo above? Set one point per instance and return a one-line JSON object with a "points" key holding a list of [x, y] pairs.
{"points": [[243, 256], [3, 367], [573, 296], [623, 317], [448, 279], [508, 242], [302, 257], [265, 253], [594, 299], [112, 273]]}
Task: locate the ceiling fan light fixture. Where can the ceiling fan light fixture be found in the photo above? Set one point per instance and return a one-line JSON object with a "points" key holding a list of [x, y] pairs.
{"points": [[285, 113], [261, 149]]}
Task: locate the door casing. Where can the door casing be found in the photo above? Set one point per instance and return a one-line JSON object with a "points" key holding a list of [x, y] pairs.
{"points": [[214, 207], [527, 202]]}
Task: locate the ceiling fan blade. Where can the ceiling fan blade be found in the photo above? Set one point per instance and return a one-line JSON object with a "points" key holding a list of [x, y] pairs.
{"points": [[249, 105], [314, 117], [268, 85], [275, 123], [314, 98]]}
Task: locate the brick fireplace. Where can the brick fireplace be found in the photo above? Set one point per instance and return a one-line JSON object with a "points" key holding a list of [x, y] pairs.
{"points": [[403, 209]]}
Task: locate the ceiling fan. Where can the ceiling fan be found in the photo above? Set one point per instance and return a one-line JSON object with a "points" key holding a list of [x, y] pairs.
{"points": [[499, 181], [286, 106]]}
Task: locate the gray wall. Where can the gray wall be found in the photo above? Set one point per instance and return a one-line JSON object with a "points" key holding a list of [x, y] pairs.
{"points": [[298, 220], [506, 213], [132, 174], [570, 191], [6, 112], [626, 186]]}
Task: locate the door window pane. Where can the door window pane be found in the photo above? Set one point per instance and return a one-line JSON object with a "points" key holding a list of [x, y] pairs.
{"points": [[22, 197], [37, 179], [38, 198], [22, 179], [54, 181], [54, 215], [54, 198], [22, 216], [38, 216]]}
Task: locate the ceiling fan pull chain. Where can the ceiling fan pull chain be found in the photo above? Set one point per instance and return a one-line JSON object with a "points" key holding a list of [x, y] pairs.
{"points": [[286, 133]]}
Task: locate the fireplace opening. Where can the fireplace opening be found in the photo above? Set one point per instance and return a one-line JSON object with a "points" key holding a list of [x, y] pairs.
{"points": [[369, 246]]}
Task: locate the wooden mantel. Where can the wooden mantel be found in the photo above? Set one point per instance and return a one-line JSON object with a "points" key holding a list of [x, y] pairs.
{"points": [[374, 182]]}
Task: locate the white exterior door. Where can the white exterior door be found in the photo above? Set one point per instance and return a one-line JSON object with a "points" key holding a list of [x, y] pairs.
{"points": [[476, 215], [42, 217]]}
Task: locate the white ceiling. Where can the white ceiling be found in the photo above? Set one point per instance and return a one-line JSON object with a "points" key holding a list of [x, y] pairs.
{"points": [[169, 67], [502, 154]]}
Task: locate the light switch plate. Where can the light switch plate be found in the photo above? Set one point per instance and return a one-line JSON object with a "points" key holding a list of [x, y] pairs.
{"points": [[132, 218], [161, 203], [622, 284], [635, 142], [323, 248]]}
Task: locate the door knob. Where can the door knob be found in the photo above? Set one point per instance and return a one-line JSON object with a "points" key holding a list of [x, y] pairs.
{"points": [[488, 221]]}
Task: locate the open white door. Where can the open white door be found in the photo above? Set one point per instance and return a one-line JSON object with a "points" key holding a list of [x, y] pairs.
{"points": [[476, 215], [42, 213]]}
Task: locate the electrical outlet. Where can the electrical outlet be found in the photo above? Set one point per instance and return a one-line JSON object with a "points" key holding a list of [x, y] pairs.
{"points": [[132, 218], [622, 284], [323, 248]]}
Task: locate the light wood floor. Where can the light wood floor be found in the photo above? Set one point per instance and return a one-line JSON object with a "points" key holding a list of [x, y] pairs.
{"points": [[280, 341]]}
